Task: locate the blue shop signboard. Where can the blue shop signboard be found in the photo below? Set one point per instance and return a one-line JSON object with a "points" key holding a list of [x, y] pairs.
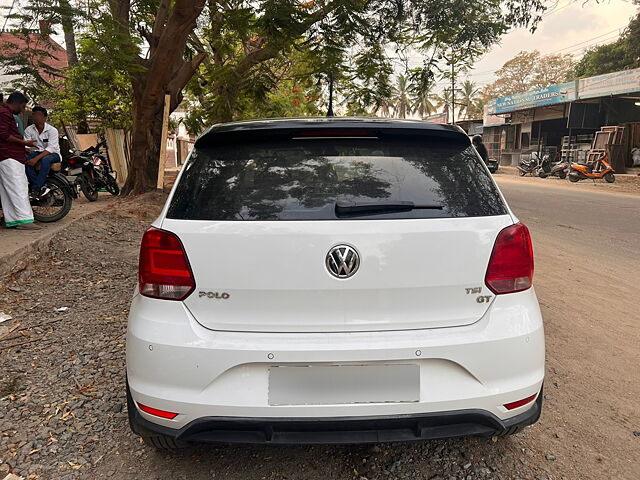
{"points": [[553, 94]]}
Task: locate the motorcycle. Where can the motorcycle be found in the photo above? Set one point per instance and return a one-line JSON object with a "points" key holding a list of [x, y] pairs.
{"points": [[530, 166], [92, 172], [56, 202], [599, 168], [105, 176]]}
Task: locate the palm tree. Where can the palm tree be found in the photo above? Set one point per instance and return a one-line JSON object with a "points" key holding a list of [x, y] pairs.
{"points": [[400, 97], [444, 101], [423, 102], [467, 95]]}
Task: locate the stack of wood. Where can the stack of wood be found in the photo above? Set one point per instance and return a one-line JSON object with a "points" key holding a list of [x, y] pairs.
{"points": [[609, 141]]}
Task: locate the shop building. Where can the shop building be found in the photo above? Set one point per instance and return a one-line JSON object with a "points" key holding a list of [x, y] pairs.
{"points": [[561, 120]]}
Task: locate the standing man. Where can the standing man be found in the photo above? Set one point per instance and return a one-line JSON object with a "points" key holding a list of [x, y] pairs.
{"points": [[14, 188], [47, 150]]}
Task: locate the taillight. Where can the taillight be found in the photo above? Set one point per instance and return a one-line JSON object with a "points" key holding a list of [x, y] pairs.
{"points": [[511, 265], [164, 270], [73, 161]]}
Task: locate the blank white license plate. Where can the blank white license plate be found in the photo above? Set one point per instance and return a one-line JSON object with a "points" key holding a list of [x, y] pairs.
{"points": [[343, 384]]}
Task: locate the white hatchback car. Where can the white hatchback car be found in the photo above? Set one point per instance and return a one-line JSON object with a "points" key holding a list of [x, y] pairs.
{"points": [[333, 280]]}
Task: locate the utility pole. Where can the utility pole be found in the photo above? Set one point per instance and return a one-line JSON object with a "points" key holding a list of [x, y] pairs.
{"points": [[330, 110], [453, 92]]}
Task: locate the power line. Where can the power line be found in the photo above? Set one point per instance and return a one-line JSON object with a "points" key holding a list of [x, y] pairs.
{"points": [[8, 15], [586, 41], [571, 48]]}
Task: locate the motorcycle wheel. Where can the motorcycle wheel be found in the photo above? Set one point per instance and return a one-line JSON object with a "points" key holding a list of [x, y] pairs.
{"points": [[88, 187], [562, 175], [542, 174], [55, 204], [112, 186], [610, 177], [522, 173], [574, 178]]}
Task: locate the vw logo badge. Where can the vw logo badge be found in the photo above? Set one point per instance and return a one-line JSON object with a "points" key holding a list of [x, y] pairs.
{"points": [[342, 261]]}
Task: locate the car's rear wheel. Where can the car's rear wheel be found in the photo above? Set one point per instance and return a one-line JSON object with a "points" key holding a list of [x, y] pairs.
{"points": [[162, 442], [155, 440]]}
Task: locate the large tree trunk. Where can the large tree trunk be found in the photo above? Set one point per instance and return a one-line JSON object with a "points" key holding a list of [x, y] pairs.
{"points": [[166, 72], [145, 146]]}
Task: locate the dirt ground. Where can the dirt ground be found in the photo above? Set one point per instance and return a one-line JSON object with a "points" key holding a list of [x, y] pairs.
{"points": [[623, 184], [63, 410]]}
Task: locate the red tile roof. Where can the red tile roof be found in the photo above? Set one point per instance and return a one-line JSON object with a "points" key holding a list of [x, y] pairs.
{"points": [[32, 46]]}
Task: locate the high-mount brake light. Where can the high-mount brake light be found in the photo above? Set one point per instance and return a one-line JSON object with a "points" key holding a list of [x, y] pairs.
{"points": [[164, 271], [339, 132], [510, 268]]}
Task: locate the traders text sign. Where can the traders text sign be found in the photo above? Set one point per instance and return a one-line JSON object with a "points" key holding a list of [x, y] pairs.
{"points": [[553, 94]]}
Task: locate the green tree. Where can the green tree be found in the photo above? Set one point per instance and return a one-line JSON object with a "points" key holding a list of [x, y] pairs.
{"points": [[160, 45], [444, 101], [622, 54], [400, 97], [94, 89], [467, 97], [423, 103]]}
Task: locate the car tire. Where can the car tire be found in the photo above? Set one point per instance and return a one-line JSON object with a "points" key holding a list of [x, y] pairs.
{"points": [[164, 443], [154, 440], [512, 431]]}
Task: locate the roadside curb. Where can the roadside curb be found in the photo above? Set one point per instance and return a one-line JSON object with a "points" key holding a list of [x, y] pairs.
{"points": [[15, 261]]}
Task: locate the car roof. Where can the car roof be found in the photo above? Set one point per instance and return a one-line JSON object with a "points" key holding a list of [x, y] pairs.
{"points": [[289, 127]]}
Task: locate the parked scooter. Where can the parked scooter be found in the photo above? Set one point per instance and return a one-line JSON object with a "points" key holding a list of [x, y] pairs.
{"points": [[548, 169], [600, 168]]}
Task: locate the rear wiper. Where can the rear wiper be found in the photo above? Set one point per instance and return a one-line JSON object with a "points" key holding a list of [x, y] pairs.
{"points": [[373, 208]]}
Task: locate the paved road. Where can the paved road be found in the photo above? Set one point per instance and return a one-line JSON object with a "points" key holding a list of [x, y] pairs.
{"points": [[601, 222], [587, 247], [13, 242]]}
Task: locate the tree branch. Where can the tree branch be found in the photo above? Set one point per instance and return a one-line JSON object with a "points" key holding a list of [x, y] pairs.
{"points": [[182, 76], [161, 19]]}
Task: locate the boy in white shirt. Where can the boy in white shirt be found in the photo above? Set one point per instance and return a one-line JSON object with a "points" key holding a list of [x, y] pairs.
{"points": [[47, 150]]}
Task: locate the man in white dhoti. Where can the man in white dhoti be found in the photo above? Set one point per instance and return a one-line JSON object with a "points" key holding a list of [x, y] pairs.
{"points": [[14, 187]]}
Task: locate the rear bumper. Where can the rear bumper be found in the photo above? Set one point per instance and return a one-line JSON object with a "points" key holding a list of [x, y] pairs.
{"points": [[349, 430], [467, 374]]}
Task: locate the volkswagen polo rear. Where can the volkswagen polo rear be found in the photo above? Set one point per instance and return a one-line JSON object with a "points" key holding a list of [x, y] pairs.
{"points": [[333, 281]]}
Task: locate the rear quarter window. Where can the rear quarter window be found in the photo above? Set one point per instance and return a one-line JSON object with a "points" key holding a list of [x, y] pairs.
{"points": [[304, 179]]}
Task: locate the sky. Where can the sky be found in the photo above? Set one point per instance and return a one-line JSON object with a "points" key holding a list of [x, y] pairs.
{"points": [[568, 26]]}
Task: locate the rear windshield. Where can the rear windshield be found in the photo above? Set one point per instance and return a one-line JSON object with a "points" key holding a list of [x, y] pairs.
{"points": [[329, 179]]}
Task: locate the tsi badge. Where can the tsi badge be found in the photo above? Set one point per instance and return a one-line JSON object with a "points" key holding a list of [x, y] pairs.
{"points": [[480, 298], [214, 295]]}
